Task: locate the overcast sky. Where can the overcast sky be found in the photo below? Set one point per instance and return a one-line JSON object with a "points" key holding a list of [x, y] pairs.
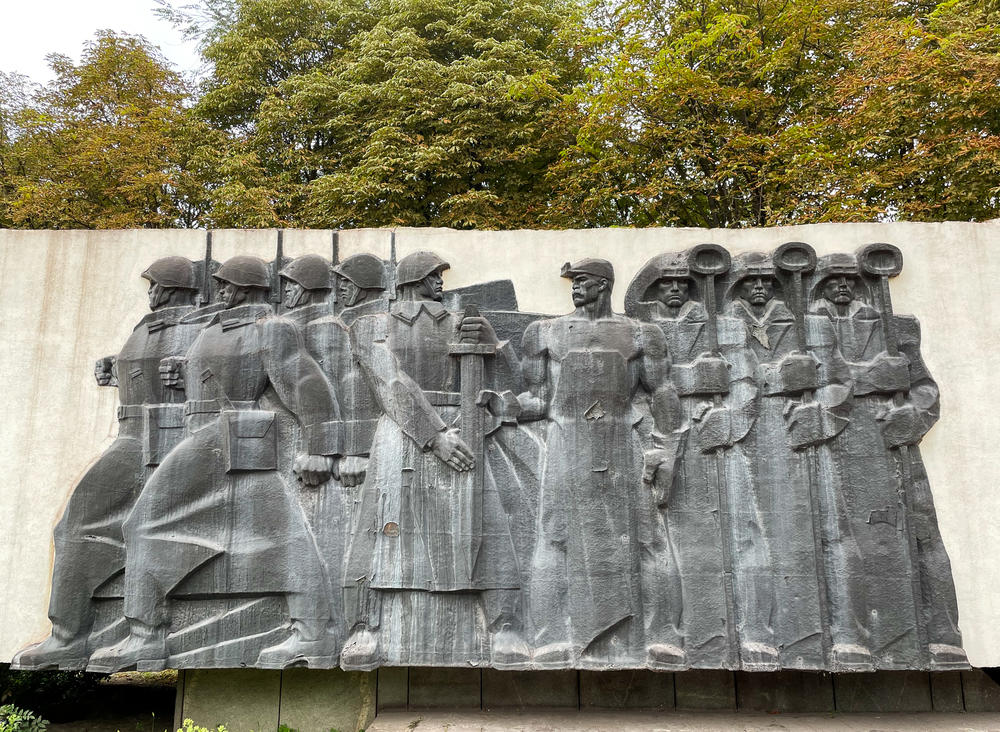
{"points": [[30, 29]]}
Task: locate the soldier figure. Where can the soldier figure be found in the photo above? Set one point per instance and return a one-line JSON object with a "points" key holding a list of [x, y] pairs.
{"points": [[89, 547], [217, 507], [307, 283], [408, 564], [873, 473], [718, 396], [360, 287], [803, 403], [604, 579]]}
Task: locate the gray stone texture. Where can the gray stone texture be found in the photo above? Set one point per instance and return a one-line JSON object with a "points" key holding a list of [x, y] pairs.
{"points": [[323, 464]]}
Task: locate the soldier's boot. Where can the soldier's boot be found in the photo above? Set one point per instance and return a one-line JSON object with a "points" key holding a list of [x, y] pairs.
{"points": [[361, 651], [666, 656], [946, 657], [143, 649], [554, 655], [755, 656], [508, 649], [851, 657], [64, 649], [312, 644]]}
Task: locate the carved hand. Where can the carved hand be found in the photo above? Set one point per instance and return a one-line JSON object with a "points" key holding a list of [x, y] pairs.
{"points": [[657, 471], [503, 405], [172, 372], [352, 470], [805, 425], [715, 429], [313, 470], [450, 449], [477, 330], [103, 370], [901, 426]]}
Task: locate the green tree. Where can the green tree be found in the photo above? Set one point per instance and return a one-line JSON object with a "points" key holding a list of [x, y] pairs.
{"points": [[762, 112], [105, 145], [346, 113], [920, 116]]}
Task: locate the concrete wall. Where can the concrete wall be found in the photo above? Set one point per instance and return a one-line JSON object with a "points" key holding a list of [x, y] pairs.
{"points": [[67, 298]]}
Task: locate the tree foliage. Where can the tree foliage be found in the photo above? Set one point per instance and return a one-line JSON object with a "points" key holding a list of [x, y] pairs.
{"points": [[380, 112], [105, 145], [519, 113]]}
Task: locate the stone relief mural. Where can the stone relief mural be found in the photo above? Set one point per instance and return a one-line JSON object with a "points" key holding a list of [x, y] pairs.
{"points": [[342, 464]]}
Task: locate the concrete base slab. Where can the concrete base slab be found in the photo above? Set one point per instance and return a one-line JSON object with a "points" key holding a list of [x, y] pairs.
{"points": [[682, 722]]}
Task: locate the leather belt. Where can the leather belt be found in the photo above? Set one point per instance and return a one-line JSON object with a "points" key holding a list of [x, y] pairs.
{"points": [[214, 406], [130, 411]]}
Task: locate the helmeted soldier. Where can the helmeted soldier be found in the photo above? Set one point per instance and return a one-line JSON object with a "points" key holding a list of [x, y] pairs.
{"points": [[360, 286], [796, 472], [878, 426], [715, 383], [89, 547], [217, 507], [604, 587], [307, 282], [409, 560]]}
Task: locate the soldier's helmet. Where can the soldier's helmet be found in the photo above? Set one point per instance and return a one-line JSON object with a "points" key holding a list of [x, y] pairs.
{"points": [[592, 266], [172, 272], [311, 271], [414, 267], [365, 270], [244, 271]]}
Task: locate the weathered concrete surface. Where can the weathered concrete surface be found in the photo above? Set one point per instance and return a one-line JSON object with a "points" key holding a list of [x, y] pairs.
{"points": [[71, 297], [684, 722], [328, 699], [242, 700]]}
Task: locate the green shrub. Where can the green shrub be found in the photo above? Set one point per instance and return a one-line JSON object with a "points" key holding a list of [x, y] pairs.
{"points": [[14, 719], [57, 695], [190, 726]]}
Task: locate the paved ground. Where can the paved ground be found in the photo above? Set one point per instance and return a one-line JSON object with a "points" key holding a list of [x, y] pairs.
{"points": [[682, 722]]}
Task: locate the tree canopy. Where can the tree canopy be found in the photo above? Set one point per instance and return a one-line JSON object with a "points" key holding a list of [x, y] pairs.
{"points": [[518, 113]]}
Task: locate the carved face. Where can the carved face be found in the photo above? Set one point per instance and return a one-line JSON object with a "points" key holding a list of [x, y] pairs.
{"points": [[587, 288], [293, 293], [158, 296], [757, 290], [432, 287], [839, 289], [347, 292], [231, 295], [673, 291]]}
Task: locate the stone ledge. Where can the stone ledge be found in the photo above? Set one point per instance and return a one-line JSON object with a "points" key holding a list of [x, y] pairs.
{"points": [[681, 722]]}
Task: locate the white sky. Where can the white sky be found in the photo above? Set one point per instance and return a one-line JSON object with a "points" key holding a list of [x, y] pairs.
{"points": [[30, 29]]}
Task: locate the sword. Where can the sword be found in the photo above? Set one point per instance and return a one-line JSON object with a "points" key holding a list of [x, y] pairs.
{"points": [[472, 424], [883, 261]]}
